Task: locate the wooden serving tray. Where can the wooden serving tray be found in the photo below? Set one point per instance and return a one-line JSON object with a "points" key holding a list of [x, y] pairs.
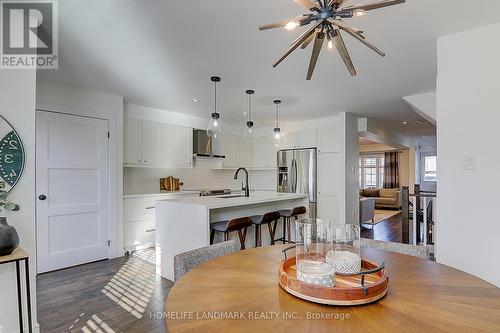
{"points": [[347, 291]]}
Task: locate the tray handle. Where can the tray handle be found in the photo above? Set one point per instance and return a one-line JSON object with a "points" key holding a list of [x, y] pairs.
{"points": [[371, 271], [286, 250]]}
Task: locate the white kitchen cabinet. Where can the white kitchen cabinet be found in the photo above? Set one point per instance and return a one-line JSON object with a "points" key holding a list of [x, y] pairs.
{"points": [[243, 153], [306, 139], [139, 219], [328, 140], [152, 143], [288, 140], [133, 141], [228, 147], [329, 187], [296, 140], [264, 153], [157, 144], [178, 144]]}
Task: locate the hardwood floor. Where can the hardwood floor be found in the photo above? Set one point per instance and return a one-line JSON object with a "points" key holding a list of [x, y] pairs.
{"points": [[388, 230], [124, 294], [110, 296]]}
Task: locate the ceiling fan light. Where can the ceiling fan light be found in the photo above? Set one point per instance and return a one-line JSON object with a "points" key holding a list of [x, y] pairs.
{"points": [[292, 25], [359, 12]]}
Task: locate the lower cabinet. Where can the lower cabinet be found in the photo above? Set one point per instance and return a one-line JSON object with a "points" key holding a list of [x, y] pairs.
{"points": [[139, 220], [139, 235]]}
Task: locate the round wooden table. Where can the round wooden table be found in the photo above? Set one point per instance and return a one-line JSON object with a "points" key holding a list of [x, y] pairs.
{"points": [[240, 293]]}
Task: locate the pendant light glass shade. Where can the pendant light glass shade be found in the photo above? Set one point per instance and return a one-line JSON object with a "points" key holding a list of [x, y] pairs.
{"points": [[278, 136], [249, 134], [214, 128]]}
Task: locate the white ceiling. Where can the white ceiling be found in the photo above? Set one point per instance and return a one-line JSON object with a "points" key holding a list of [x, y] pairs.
{"points": [[161, 54]]}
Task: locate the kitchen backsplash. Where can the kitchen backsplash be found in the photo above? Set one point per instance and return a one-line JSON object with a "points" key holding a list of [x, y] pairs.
{"points": [[146, 180]]}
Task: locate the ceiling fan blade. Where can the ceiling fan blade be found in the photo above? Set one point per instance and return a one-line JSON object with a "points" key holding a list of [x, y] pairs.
{"points": [[338, 41], [337, 2], [301, 20], [317, 24], [307, 4], [318, 43], [307, 41], [302, 38], [343, 25], [364, 41], [376, 5]]}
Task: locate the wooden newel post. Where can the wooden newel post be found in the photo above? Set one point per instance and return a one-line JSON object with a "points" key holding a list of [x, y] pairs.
{"points": [[405, 198]]}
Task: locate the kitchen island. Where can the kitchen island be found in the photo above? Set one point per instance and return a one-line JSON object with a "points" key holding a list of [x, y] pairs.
{"points": [[183, 224]]}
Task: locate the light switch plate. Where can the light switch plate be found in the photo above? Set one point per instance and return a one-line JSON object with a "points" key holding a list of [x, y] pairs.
{"points": [[469, 162]]}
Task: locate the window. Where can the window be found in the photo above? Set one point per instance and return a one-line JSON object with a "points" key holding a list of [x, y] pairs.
{"points": [[371, 171], [430, 168]]}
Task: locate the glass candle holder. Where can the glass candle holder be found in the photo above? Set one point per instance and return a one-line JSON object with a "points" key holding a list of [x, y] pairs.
{"points": [[314, 239], [345, 255]]}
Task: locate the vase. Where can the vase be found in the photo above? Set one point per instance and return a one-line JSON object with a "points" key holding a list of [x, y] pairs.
{"points": [[9, 239]]}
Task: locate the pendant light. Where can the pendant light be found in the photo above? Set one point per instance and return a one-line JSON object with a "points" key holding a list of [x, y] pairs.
{"points": [[277, 129], [214, 127], [249, 134], [278, 136]]}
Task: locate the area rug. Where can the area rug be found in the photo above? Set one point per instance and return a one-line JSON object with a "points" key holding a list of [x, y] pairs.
{"points": [[382, 215]]}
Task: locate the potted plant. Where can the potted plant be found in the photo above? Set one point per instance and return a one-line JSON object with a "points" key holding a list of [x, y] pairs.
{"points": [[9, 239]]}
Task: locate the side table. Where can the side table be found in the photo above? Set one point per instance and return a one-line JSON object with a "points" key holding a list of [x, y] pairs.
{"points": [[17, 256]]}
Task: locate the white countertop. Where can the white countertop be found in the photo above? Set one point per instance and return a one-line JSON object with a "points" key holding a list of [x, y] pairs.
{"points": [[159, 194], [219, 202]]}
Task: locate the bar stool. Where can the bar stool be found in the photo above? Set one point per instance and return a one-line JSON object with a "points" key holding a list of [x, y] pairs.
{"points": [[226, 227], [287, 215], [259, 220]]}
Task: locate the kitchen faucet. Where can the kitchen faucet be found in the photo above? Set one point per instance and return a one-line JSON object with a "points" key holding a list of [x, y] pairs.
{"points": [[246, 187]]}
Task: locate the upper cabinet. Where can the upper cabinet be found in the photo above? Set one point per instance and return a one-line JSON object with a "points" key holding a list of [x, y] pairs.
{"points": [[228, 147], [306, 139], [156, 144], [328, 140], [302, 139], [132, 141], [264, 153]]}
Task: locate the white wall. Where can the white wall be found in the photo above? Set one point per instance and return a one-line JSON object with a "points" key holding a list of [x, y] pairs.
{"points": [[77, 101], [17, 105], [467, 118]]}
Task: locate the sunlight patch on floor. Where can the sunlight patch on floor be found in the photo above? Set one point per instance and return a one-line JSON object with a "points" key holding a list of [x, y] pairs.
{"points": [[133, 285]]}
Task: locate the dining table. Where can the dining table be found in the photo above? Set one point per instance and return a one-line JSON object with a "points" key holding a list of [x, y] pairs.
{"points": [[240, 292]]}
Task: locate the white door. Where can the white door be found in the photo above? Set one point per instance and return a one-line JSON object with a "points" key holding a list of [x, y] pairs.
{"points": [[72, 183]]}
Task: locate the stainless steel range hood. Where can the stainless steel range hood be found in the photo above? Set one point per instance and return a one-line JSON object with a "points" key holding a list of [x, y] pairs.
{"points": [[206, 147]]}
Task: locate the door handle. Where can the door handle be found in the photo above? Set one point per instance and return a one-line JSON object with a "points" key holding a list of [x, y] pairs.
{"points": [[42, 197]]}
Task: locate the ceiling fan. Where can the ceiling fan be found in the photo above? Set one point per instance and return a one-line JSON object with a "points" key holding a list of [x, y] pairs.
{"points": [[326, 19]]}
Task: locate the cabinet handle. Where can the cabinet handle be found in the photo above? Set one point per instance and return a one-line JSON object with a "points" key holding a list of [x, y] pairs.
{"points": [[150, 207], [150, 230]]}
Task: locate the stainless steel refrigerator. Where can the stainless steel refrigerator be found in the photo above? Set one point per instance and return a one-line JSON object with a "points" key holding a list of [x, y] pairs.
{"points": [[297, 174]]}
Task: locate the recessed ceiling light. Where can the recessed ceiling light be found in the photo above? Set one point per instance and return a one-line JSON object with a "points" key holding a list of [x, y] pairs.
{"points": [[245, 113], [196, 100], [405, 123]]}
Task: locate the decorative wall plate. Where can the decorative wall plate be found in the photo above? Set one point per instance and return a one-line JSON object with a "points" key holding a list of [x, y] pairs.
{"points": [[12, 155]]}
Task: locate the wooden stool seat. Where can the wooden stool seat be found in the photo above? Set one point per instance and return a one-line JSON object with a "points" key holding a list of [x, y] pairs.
{"points": [[240, 225], [271, 219]]}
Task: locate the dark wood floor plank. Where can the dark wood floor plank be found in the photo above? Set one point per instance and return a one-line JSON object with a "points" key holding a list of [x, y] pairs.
{"points": [[74, 299]]}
